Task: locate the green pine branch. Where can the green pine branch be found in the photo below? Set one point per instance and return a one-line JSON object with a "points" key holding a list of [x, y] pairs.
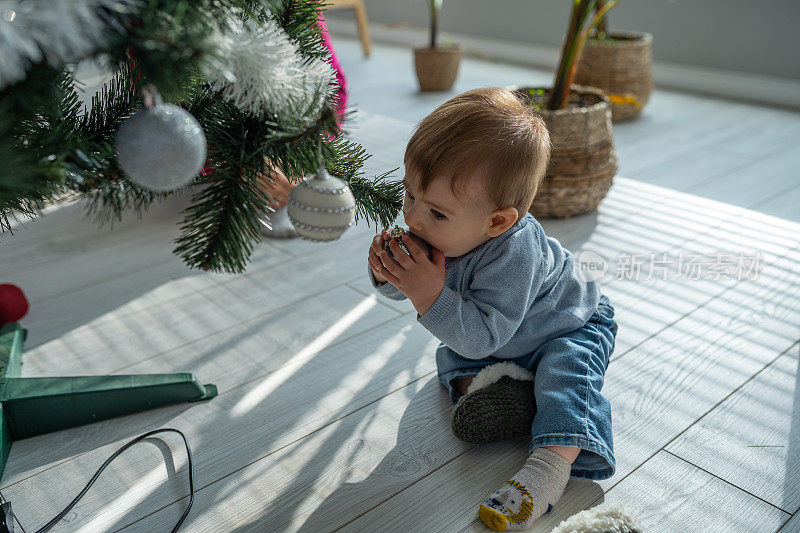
{"points": [[379, 198], [221, 226], [111, 105], [51, 145], [298, 18], [168, 40], [35, 135]]}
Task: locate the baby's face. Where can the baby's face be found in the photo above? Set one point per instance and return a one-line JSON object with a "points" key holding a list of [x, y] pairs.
{"points": [[453, 225]]}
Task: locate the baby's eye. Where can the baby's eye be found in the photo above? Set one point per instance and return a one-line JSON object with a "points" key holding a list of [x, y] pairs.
{"points": [[437, 214], [410, 195]]}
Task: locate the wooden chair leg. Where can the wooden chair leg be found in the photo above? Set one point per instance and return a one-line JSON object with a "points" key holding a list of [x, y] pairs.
{"points": [[363, 27]]}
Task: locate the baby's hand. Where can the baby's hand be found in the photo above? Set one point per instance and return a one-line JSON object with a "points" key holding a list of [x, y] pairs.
{"points": [[421, 279], [374, 255]]}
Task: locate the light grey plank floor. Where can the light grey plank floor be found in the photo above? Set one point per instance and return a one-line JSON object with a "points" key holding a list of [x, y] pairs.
{"points": [[745, 440], [678, 496], [792, 525], [329, 414]]}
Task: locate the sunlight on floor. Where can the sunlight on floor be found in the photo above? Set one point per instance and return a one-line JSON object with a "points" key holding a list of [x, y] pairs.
{"points": [[272, 381], [133, 496]]}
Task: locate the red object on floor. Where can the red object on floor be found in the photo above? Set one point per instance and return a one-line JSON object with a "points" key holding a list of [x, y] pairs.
{"points": [[13, 304]]}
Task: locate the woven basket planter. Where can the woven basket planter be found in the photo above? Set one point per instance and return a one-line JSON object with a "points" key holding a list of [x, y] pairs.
{"points": [[582, 159], [437, 67], [619, 65]]}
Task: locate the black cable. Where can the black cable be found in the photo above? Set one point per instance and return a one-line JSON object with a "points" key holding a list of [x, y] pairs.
{"points": [[63, 513]]}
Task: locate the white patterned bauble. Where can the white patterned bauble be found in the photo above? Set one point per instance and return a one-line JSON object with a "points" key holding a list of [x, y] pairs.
{"points": [[161, 147], [321, 207]]}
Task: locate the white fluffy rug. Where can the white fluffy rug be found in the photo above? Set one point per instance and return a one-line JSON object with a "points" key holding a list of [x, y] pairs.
{"points": [[603, 518]]}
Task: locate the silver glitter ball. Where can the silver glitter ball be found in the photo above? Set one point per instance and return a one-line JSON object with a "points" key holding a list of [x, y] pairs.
{"points": [[161, 147]]}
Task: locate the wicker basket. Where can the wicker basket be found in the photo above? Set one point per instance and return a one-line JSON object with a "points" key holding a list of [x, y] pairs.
{"points": [[582, 159], [437, 67], [619, 65]]}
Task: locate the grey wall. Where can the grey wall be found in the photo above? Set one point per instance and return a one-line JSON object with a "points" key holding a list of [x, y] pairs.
{"points": [[754, 36]]}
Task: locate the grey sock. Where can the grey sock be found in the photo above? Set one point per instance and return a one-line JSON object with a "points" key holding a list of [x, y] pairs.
{"points": [[530, 493]]}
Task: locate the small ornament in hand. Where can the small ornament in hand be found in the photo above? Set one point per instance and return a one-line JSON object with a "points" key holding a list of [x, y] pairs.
{"points": [[414, 267], [397, 233]]}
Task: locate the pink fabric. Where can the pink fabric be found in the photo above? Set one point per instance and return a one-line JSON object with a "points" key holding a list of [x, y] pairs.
{"points": [[342, 81]]}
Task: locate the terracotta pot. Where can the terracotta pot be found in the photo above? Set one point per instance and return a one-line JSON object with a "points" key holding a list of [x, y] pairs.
{"points": [[437, 67], [583, 161], [619, 65]]}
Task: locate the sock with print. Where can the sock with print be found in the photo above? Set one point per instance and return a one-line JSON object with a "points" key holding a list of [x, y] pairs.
{"points": [[530, 493]]}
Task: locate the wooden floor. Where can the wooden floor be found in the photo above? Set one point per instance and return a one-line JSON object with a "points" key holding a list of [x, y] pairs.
{"points": [[330, 416]]}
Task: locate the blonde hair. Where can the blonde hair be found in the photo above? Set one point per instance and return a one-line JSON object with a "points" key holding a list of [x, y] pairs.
{"points": [[484, 133]]}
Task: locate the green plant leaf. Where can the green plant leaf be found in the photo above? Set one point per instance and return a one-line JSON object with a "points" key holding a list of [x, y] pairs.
{"points": [[572, 48]]}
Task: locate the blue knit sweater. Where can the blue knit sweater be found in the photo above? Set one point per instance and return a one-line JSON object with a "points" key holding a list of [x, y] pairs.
{"points": [[508, 296]]}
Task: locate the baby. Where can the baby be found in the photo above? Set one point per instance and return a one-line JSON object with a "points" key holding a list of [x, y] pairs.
{"points": [[525, 340]]}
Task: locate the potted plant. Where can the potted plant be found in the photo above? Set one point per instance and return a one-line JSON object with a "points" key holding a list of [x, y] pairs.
{"points": [[618, 62], [582, 158], [437, 66]]}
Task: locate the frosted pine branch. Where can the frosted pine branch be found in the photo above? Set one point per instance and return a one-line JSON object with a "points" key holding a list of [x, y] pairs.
{"points": [[54, 31], [258, 69]]}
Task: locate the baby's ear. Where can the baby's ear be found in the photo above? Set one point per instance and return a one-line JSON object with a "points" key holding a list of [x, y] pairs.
{"points": [[502, 220]]}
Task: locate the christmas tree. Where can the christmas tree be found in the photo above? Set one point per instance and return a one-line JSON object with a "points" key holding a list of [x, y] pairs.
{"points": [[235, 84]]}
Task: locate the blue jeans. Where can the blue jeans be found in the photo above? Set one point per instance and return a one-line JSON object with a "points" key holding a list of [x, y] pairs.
{"points": [[568, 375]]}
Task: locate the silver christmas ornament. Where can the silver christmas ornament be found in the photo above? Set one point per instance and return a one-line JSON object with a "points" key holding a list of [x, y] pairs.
{"points": [[321, 207], [397, 233], [161, 146]]}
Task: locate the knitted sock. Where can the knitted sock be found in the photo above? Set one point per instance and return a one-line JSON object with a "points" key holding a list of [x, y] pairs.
{"points": [[282, 227], [529, 493], [502, 410]]}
